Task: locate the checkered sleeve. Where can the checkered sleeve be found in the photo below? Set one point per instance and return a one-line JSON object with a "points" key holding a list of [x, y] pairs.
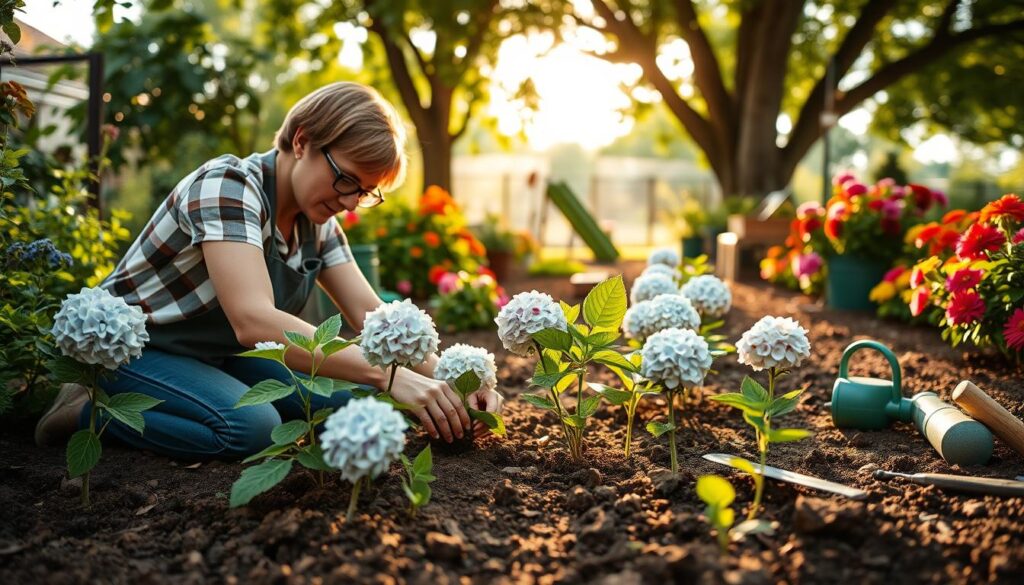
{"points": [[224, 204], [334, 249]]}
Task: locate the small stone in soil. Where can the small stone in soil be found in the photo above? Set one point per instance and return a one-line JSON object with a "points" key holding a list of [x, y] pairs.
{"points": [[579, 499], [604, 492], [512, 470], [443, 547], [665, 482], [975, 509], [629, 504], [505, 493]]}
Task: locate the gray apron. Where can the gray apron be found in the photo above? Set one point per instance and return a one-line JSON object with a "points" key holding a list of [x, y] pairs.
{"points": [[209, 336]]}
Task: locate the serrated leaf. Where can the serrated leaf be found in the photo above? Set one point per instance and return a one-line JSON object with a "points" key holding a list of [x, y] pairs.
{"points": [[787, 435], [264, 392], [300, 340], [467, 383], [270, 451], [424, 462], [258, 479], [132, 401], [320, 386], [289, 432], [494, 422], [612, 395], [571, 312], [268, 354], [549, 380], [576, 421], [567, 381], [312, 457], [740, 401], [658, 428], [321, 415], [539, 401], [65, 369], [610, 357], [83, 452], [589, 406], [605, 304], [602, 338], [753, 390], [130, 418], [335, 345], [715, 490], [327, 330], [552, 338]]}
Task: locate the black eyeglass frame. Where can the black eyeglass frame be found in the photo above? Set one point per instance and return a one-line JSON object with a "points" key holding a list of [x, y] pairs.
{"points": [[367, 199]]}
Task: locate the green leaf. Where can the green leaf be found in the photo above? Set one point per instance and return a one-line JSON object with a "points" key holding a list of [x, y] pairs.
{"points": [[65, 369], [289, 432], [300, 340], [13, 31], [493, 420], [658, 428], [132, 401], [258, 479], [602, 338], [345, 385], [320, 386], [576, 421], [335, 345], [754, 420], [753, 390], [131, 418], [539, 401], [567, 381], [327, 330], [787, 435], [312, 457], [785, 404], [321, 415], [264, 392], [605, 304], [83, 452], [269, 354], [271, 451], [549, 380], [743, 465], [571, 312], [612, 395], [588, 406], [715, 490], [610, 357], [467, 383], [552, 338], [741, 402], [424, 462]]}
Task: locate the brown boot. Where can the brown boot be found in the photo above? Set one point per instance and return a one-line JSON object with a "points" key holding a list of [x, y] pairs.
{"points": [[61, 421]]}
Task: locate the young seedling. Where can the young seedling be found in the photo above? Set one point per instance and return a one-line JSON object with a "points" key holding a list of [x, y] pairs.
{"points": [[419, 475], [776, 344], [467, 384], [634, 390], [294, 440], [88, 349], [566, 354], [718, 494]]}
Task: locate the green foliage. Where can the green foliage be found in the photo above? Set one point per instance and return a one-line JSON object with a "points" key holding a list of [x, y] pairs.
{"points": [[467, 384], [419, 475], [467, 301], [556, 267], [718, 494], [292, 440]]}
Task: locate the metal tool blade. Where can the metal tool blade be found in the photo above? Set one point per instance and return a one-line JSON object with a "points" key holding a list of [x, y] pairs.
{"points": [[793, 477]]}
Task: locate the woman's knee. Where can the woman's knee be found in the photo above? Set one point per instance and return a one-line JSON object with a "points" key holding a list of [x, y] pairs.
{"points": [[247, 429]]}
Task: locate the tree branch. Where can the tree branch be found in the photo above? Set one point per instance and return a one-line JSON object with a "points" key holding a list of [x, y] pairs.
{"points": [[707, 71], [401, 75]]}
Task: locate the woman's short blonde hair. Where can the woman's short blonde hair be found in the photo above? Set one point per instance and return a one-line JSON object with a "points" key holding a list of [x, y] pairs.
{"points": [[356, 119]]}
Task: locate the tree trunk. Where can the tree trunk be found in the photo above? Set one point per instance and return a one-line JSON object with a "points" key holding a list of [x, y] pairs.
{"points": [[436, 149]]}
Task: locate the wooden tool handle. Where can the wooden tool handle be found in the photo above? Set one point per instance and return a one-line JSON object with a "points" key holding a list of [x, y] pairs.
{"points": [[981, 406]]}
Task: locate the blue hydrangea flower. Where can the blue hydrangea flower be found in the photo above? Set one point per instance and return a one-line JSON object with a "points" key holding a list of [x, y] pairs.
{"points": [[95, 327], [461, 358], [709, 295], [774, 342], [648, 286], [363, 438], [667, 256], [398, 333], [524, 315], [675, 358], [662, 312]]}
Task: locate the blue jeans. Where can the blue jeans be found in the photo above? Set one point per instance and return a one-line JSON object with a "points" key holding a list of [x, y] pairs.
{"points": [[197, 418]]}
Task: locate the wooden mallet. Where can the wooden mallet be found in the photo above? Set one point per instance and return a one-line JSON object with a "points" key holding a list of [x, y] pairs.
{"points": [[992, 414]]}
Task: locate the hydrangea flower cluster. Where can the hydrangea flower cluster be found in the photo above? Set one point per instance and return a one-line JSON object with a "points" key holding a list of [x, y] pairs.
{"points": [[661, 312], [21, 256], [709, 295], [676, 358], [269, 345], [363, 438], [461, 358], [648, 286], [666, 256], [774, 342], [659, 269], [524, 315], [95, 327], [398, 333]]}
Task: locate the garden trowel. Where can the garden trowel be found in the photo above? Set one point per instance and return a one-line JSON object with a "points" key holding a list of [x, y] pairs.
{"points": [[792, 477]]}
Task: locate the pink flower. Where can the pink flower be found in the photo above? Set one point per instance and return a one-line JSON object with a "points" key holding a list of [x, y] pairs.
{"points": [[965, 308], [1013, 332], [978, 240], [919, 300], [1018, 237], [806, 264], [941, 198], [963, 280], [894, 273], [403, 286], [855, 189], [842, 178], [502, 300], [448, 283], [809, 209]]}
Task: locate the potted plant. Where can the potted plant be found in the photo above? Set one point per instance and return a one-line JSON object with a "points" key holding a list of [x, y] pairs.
{"points": [[688, 221], [501, 245]]}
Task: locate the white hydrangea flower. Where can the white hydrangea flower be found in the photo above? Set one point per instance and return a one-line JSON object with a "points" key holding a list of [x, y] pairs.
{"points": [[461, 358], [675, 358], [398, 333], [363, 438], [660, 269], [774, 342], [648, 286], [709, 295], [634, 322], [666, 256], [269, 345], [95, 327], [524, 315], [662, 312]]}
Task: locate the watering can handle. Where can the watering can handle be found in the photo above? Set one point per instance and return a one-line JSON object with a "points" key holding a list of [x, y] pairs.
{"points": [[897, 393]]}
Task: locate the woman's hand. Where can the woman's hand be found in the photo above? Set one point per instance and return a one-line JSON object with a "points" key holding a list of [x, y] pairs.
{"points": [[433, 402], [487, 400]]}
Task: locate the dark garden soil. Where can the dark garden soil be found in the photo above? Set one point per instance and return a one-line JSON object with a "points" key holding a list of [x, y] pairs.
{"points": [[518, 510]]}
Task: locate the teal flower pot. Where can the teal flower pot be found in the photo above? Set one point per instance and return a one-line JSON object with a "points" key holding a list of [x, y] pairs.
{"points": [[693, 247], [850, 280]]}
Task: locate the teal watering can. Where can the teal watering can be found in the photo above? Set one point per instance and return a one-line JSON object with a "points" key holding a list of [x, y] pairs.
{"points": [[873, 403]]}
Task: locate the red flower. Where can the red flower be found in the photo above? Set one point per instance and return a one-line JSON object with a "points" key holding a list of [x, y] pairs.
{"points": [[965, 308], [485, 270], [1007, 206], [919, 300], [833, 228], [415, 251], [894, 273], [432, 239], [349, 219], [1013, 332], [963, 280], [435, 274], [855, 189], [977, 240], [922, 196], [953, 216], [1018, 237], [807, 226], [916, 277]]}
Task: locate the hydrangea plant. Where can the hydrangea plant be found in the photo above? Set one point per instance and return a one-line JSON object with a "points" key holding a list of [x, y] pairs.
{"points": [[294, 440], [662, 312], [468, 369], [97, 332], [709, 295], [675, 360], [526, 314], [361, 440], [660, 269], [666, 256], [649, 285], [398, 334], [776, 344]]}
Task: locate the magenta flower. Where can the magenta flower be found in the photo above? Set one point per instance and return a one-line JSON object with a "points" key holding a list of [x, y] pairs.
{"points": [[806, 264]]}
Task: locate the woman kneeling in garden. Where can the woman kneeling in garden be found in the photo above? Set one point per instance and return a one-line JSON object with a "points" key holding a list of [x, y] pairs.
{"points": [[231, 257]]}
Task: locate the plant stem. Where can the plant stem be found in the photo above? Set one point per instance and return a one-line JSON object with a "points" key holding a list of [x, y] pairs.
{"points": [[353, 499], [762, 445], [672, 430], [554, 395], [391, 380], [630, 412], [92, 429]]}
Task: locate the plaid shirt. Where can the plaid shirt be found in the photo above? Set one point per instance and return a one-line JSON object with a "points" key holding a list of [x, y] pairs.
{"points": [[222, 201]]}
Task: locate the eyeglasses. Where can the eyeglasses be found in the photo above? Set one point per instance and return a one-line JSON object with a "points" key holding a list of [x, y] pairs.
{"points": [[345, 185]]}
